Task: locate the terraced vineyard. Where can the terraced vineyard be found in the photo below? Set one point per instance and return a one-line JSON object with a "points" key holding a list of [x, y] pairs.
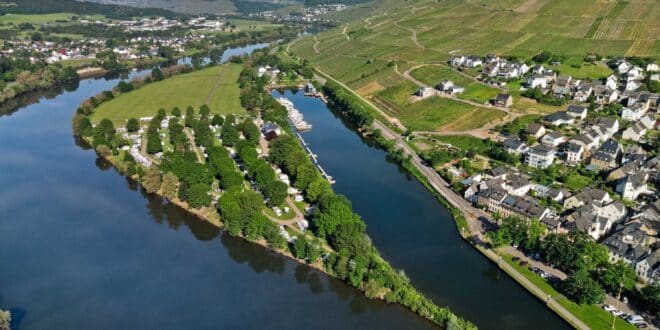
{"points": [[371, 53]]}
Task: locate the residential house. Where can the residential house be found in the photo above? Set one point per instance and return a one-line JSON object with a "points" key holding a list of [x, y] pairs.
{"points": [[535, 130], [540, 156], [647, 267], [498, 201], [596, 219], [612, 82], [503, 100], [553, 139], [635, 132], [607, 155], [604, 95], [652, 67], [576, 111], [537, 81], [633, 185], [559, 118], [574, 153], [633, 152], [271, 131], [582, 93], [623, 67], [587, 196], [585, 141], [611, 124], [634, 112], [473, 62], [514, 146]]}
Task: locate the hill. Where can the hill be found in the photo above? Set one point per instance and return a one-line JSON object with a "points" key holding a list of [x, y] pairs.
{"points": [[80, 8], [387, 44], [216, 87], [206, 6]]}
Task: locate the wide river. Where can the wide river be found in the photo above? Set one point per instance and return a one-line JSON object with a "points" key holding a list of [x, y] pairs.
{"points": [[82, 247]]}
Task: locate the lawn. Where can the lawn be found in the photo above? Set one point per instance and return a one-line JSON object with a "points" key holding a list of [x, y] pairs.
{"points": [[248, 25], [437, 113], [594, 316], [584, 71], [216, 86], [576, 182], [465, 142]]}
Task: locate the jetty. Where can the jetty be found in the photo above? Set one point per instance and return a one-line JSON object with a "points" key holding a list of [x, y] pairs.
{"points": [[294, 115], [315, 159]]}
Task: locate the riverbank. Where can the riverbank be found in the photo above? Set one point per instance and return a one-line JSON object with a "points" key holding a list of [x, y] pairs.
{"points": [[467, 218]]}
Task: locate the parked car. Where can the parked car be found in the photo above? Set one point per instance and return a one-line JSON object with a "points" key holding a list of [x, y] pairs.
{"points": [[618, 313], [635, 319], [641, 325], [609, 308]]}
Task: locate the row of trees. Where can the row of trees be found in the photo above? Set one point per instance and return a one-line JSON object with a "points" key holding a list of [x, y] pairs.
{"points": [[262, 173], [352, 107], [575, 253]]}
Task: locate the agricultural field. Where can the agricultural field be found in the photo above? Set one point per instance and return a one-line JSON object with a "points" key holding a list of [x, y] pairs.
{"points": [[370, 53], [216, 86]]}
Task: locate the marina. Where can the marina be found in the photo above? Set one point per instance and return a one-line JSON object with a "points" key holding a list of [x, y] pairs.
{"points": [[314, 158], [294, 115]]}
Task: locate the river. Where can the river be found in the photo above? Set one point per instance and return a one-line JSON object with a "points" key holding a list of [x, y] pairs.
{"points": [[413, 231], [83, 247]]}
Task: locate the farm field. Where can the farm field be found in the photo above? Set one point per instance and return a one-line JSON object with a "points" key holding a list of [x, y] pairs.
{"points": [[216, 86], [379, 46]]}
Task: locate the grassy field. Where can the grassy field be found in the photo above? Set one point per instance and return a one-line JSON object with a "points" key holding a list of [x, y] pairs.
{"points": [[465, 142], [590, 71], [248, 25], [15, 19], [215, 86]]}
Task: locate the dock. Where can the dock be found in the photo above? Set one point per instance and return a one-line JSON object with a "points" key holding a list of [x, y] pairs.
{"points": [[294, 115], [315, 159]]}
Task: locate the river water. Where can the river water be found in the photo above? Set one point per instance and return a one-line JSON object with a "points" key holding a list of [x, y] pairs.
{"points": [[83, 247], [414, 231]]}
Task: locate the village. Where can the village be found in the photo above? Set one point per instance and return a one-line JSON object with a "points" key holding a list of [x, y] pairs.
{"points": [[592, 167], [312, 14]]}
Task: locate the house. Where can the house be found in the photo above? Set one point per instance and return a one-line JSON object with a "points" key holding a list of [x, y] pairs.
{"points": [[647, 267], [627, 243], [607, 155], [514, 146], [537, 81], [633, 185], [582, 93], [540, 156], [612, 82], [648, 122], [425, 92], [587, 196], [535, 130], [634, 112], [470, 193], [553, 139], [596, 219], [584, 140], [576, 111], [635, 132], [623, 67], [457, 61], [559, 118], [498, 201], [473, 62], [652, 67], [449, 87], [604, 95], [503, 100], [633, 152], [611, 124], [574, 153], [271, 131]]}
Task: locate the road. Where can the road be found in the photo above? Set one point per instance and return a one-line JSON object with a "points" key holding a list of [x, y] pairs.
{"points": [[474, 218]]}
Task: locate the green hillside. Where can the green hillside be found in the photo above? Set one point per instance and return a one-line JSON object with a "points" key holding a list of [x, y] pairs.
{"points": [[383, 41]]}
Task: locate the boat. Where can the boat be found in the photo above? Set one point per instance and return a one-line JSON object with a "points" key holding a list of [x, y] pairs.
{"points": [[294, 115]]}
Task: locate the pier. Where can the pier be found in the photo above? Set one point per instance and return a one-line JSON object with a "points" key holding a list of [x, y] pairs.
{"points": [[315, 160], [294, 115]]}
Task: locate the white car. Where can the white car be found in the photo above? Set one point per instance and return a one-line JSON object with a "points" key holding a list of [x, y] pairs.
{"points": [[617, 313], [635, 319], [609, 308]]}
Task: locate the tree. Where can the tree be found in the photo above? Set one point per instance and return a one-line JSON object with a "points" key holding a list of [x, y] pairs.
{"points": [[582, 289], [229, 134], [170, 185], [157, 74], [251, 131], [176, 112], [190, 117], [649, 297], [152, 180], [276, 191], [305, 174], [199, 195], [204, 111], [300, 247], [317, 189], [618, 276], [217, 120], [132, 125]]}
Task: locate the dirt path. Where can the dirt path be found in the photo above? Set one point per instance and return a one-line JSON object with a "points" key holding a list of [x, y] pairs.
{"points": [[343, 31], [191, 138], [316, 44], [215, 86]]}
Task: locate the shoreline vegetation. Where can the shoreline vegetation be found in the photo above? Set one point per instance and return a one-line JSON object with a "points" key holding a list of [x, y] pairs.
{"points": [[337, 243], [58, 74]]}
